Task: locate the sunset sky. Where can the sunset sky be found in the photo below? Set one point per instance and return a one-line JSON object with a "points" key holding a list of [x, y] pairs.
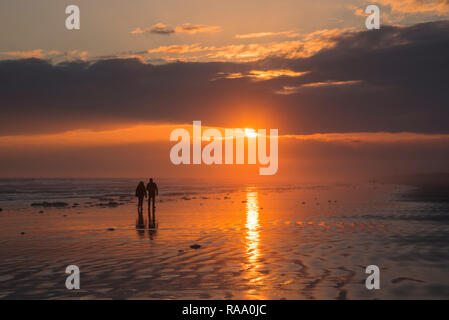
{"points": [[101, 101]]}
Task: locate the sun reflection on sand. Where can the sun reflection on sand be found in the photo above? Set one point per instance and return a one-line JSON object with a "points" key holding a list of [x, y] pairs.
{"points": [[253, 238]]}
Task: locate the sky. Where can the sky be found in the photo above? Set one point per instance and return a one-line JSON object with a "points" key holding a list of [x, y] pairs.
{"points": [[349, 103]]}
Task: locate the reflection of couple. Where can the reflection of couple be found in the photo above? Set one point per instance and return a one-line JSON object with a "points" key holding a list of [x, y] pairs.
{"points": [[142, 192]]}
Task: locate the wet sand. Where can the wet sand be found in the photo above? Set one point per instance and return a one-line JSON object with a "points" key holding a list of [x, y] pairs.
{"points": [[301, 242]]}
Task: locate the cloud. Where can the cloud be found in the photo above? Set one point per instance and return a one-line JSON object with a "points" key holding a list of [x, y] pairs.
{"points": [[320, 84], [306, 47], [158, 28], [393, 80], [196, 28], [288, 34], [413, 6], [262, 74], [179, 49], [137, 31], [74, 55], [374, 137], [53, 55], [36, 53], [162, 29]]}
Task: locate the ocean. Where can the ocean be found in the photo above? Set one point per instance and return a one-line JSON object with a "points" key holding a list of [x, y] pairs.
{"points": [[220, 241]]}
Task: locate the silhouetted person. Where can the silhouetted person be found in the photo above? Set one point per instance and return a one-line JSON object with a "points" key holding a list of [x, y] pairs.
{"points": [[152, 193], [141, 193]]}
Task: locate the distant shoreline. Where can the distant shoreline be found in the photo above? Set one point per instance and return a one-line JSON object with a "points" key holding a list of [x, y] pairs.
{"points": [[433, 187]]}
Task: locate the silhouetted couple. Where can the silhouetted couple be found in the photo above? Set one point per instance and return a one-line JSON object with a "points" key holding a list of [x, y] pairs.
{"points": [[151, 191], [142, 192]]}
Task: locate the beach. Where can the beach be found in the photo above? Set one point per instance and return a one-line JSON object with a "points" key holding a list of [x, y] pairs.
{"points": [[296, 241]]}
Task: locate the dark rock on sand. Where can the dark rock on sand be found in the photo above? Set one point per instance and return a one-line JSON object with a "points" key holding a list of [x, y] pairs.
{"points": [[1, 209], [42, 211], [110, 229], [49, 204], [22, 232], [195, 246], [400, 279]]}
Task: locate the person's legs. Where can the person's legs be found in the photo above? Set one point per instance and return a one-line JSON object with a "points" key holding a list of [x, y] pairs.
{"points": [[153, 217], [140, 216], [140, 201], [149, 211]]}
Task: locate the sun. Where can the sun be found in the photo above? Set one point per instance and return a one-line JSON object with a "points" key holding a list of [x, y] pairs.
{"points": [[250, 133]]}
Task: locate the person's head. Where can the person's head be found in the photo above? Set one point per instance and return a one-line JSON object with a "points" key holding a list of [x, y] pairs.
{"points": [[151, 179], [141, 183]]}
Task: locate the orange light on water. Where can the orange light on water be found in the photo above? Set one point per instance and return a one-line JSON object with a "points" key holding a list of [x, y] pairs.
{"points": [[252, 226], [252, 241]]}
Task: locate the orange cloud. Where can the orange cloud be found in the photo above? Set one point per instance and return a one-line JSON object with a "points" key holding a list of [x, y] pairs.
{"points": [[305, 47], [255, 51], [163, 29], [295, 89], [196, 28], [370, 137], [36, 53], [161, 132], [158, 28], [72, 55], [179, 48], [288, 34], [331, 83], [262, 74], [132, 134], [412, 6], [137, 31]]}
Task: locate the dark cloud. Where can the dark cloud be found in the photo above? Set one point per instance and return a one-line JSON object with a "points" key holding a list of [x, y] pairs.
{"points": [[161, 29], [399, 77]]}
